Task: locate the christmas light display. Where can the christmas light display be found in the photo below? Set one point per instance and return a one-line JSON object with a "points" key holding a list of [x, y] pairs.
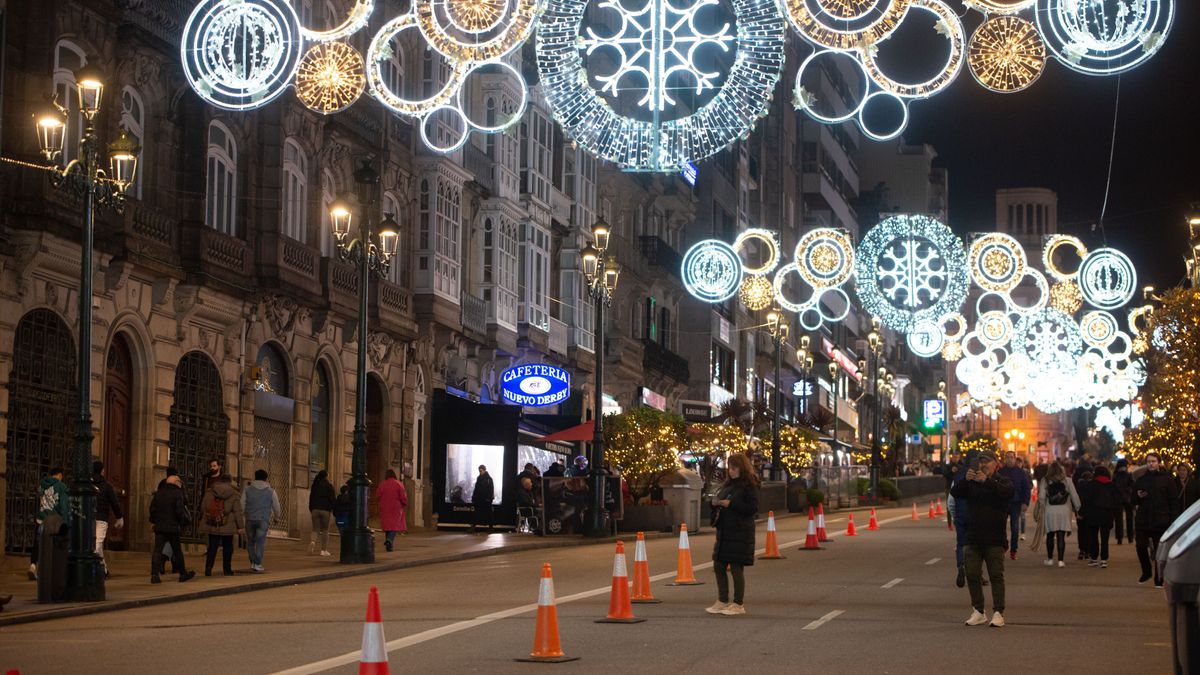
{"points": [[826, 111], [948, 26], [1066, 296], [994, 329], [1098, 329], [767, 241], [653, 42], [781, 297], [845, 24], [960, 326], [996, 262], [1050, 339], [330, 77], [1107, 278], [1006, 54], [712, 270], [926, 339], [241, 54], [476, 30], [998, 7], [1049, 261], [757, 293], [952, 351], [825, 256], [1104, 37], [355, 21], [883, 134], [1043, 296], [910, 268]]}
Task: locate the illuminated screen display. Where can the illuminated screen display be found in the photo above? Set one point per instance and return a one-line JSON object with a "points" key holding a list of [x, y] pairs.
{"points": [[462, 468]]}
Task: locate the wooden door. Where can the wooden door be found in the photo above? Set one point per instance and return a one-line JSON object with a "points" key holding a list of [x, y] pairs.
{"points": [[118, 427]]}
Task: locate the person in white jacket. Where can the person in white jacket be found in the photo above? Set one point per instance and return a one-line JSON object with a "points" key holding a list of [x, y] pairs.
{"points": [[1060, 504]]}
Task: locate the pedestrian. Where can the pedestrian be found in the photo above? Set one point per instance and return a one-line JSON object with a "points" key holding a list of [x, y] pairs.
{"points": [[1020, 499], [321, 504], [1189, 488], [989, 496], [107, 507], [526, 499], [959, 515], [1059, 501], [342, 507], [1157, 499], [393, 500], [166, 554], [733, 509], [215, 471], [1099, 505], [220, 518], [579, 467], [555, 470], [54, 508], [260, 503], [481, 499], [1123, 486], [169, 515], [1082, 479]]}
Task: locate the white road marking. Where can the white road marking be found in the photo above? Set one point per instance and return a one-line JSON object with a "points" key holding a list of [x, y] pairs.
{"points": [[459, 626], [891, 583], [932, 561], [825, 619]]}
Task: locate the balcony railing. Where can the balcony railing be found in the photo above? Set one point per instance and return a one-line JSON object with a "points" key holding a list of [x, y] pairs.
{"points": [[481, 167], [559, 336], [660, 253], [392, 306], [659, 358], [474, 313]]}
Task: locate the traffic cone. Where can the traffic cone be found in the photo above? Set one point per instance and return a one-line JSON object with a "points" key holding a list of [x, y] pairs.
{"points": [[932, 515], [619, 608], [821, 535], [374, 655], [939, 511], [872, 524], [772, 552], [810, 540], [641, 573], [684, 576], [546, 645], [850, 531], [914, 515]]}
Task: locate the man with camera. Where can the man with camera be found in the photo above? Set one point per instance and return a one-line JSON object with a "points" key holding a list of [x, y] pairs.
{"points": [[988, 494]]}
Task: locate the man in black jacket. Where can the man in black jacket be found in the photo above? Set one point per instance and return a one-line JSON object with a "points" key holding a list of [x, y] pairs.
{"points": [[1123, 483], [107, 508], [988, 495], [481, 499], [1157, 500], [169, 514]]}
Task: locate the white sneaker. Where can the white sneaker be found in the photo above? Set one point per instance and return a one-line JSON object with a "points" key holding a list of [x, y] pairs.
{"points": [[325, 554], [977, 618], [997, 620], [1062, 564], [32, 572], [1049, 562], [734, 609], [717, 607], [1022, 537]]}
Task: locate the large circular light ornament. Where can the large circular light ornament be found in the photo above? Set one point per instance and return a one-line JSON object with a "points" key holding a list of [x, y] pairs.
{"points": [[1050, 263], [827, 111], [355, 21], [952, 351], [825, 256], [783, 300], [712, 270], [330, 77], [1104, 37], [1066, 296], [654, 41], [949, 26], [757, 293], [1051, 340], [241, 54], [1006, 54], [1000, 7], [995, 329], [960, 326], [996, 261], [1107, 278], [769, 243], [1098, 329], [844, 24], [379, 55], [476, 30], [926, 339], [911, 268]]}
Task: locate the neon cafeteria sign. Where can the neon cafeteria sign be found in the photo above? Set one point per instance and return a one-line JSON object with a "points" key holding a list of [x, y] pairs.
{"points": [[535, 385]]}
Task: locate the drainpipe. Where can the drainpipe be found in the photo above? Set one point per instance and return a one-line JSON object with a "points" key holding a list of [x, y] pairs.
{"points": [[246, 321]]}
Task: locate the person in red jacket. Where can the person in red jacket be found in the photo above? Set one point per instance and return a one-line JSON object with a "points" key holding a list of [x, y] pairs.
{"points": [[393, 500]]}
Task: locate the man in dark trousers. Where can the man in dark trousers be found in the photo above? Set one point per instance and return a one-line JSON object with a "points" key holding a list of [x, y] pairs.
{"points": [[1022, 491], [481, 498], [108, 507], [169, 515], [987, 494], [1157, 500]]}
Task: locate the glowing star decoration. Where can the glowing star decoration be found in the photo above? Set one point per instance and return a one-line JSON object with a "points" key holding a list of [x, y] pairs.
{"points": [[241, 54], [1051, 340], [825, 256], [996, 261], [330, 77], [355, 21], [712, 270], [845, 24], [947, 26], [757, 293], [1104, 37], [1006, 54], [1050, 262], [911, 268], [1065, 296], [654, 42], [768, 241], [1107, 278], [926, 339]]}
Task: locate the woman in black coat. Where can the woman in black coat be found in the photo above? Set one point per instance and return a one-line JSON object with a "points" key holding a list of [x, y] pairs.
{"points": [[1100, 501], [734, 508]]}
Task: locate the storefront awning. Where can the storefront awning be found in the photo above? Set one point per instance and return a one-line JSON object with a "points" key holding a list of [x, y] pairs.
{"points": [[579, 432]]}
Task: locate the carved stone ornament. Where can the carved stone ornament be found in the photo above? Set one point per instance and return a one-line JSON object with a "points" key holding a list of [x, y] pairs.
{"points": [[379, 349], [281, 313]]}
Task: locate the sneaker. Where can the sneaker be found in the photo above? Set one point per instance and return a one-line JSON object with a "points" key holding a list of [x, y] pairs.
{"points": [[734, 609], [977, 618], [1103, 564], [1012, 555], [1022, 537], [32, 572], [1143, 579], [717, 607], [1093, 563], [997, 620], [961, 579], [1062, 564], [1158, 583], [187, 576], [325, 554], [258, 568], [1049, 562], [155, 579]]}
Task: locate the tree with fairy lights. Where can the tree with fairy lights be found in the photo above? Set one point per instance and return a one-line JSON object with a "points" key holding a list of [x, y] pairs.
{"points": [[645, 444], [978, 443], [797, 446]]}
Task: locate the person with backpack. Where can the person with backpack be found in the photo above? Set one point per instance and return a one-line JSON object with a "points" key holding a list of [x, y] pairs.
{"points": [[1060, 503], [1100, 500], [221, 517], [260, 504], [1123, 485], [54, 509]]}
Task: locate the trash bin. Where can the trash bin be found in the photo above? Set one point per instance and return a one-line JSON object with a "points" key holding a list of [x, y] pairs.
{"points": [[681, 490], [1182, 577], [1178, 527], [52, 560]]}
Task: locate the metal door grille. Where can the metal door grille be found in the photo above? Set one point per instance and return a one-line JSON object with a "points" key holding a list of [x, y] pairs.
{"points": [[41, 398], [272, 451], [199, 427]]}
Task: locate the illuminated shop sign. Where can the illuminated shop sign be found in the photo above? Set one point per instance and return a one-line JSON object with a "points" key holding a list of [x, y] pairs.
{"points": [[535, 385]]}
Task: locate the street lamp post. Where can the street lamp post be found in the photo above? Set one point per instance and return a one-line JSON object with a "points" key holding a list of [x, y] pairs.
{"points": [[779, 333], [833, 375], [85, 178], [601, 274], [806, 364], [371, 256]]}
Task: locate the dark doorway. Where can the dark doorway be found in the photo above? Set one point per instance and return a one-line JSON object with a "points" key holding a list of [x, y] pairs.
{"points": [[199, 427], [118, 430]]}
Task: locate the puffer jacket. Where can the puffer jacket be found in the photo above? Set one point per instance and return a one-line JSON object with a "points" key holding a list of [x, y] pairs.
{"points": [[735, 523], [234, 521]]}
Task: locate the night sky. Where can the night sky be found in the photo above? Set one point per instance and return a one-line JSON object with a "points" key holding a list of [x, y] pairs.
{"points": [[1057, 134]]}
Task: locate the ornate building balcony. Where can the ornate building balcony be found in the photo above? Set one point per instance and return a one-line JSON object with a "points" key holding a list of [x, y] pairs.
{"points": [[216, 256], [391, 306], [658, 358], [340, 281], [474, 314], [661, 254], [290, 266]]}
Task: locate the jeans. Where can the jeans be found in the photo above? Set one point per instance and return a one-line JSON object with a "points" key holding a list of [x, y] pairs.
{"points": [[1124, 524], [320, 527], [101, 535], [1059, 536], [739, 581], [256, 534], [225, 541], [156, 560], [1014, 517], [993, 556], [1147, 551], [390, 537], [960, 530]]}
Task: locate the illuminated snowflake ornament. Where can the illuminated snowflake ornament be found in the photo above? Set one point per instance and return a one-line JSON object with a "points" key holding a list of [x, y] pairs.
{"points": [[1051, 340]]}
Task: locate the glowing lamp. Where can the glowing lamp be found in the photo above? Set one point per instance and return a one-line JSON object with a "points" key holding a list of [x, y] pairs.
{"points": [[89, 82], [123, 160], [600, 235], [340, 218], [52, 131]]}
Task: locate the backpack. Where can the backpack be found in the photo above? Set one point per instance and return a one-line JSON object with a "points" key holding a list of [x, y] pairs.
{"points": [[216, 516], [1056, 494]]}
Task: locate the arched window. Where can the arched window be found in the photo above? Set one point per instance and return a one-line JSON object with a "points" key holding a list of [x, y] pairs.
{"points": [[393, 70], [272, 371], [304, 9], [220, 196], [328, 196], [68, 58], [133, 120], [295, 192], [391, 205]]}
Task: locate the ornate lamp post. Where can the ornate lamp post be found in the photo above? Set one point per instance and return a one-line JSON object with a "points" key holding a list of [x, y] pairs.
{"points": [[806, 364], [779, 333], [833, 375], [86, 178], [372, 256], [602, 274], [874, 352]]}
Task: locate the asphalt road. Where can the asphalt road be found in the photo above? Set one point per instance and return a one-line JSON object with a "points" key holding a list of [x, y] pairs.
{"points": [[882, 602]]}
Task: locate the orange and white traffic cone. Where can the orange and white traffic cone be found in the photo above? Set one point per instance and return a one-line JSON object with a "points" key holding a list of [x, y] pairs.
{"points": [[772, 552], [939, 510], [914, 514], [872, 524], [684, 576], [641, 573], [619, 608], [546, 646], [821, 535], [850, 531], [932, 515], [810, 540], [374, 654]]}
